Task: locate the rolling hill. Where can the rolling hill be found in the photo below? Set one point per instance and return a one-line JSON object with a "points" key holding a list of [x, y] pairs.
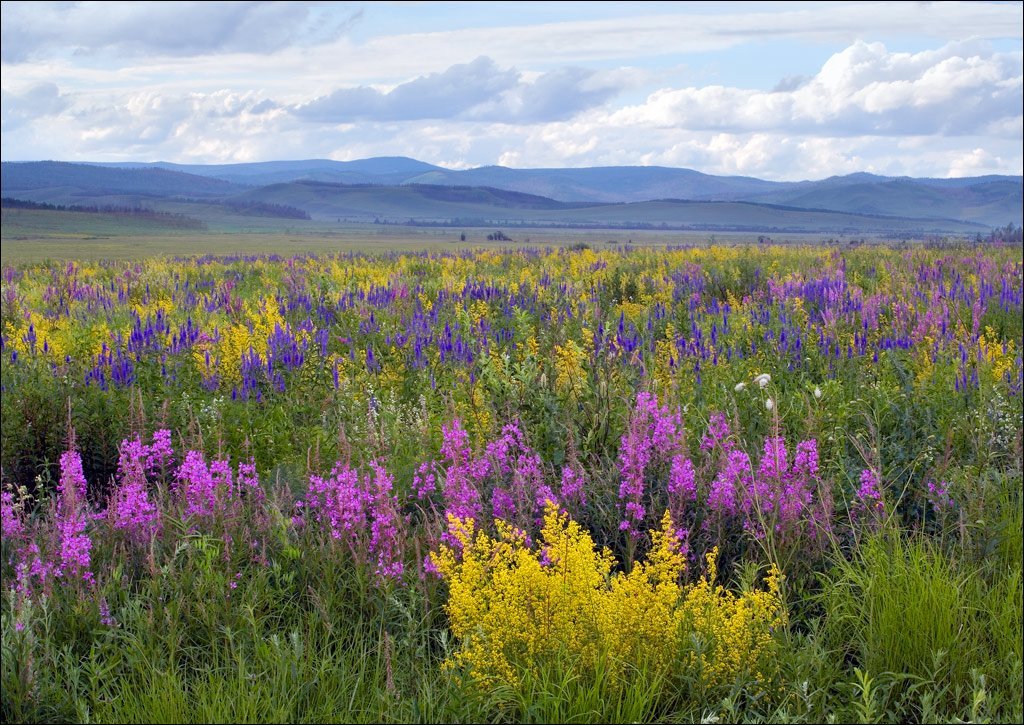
{"points": [[620, 197], [481, 206]]}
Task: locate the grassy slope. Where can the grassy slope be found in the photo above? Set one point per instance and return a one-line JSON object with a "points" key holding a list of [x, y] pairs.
{"points": [[435, 204]]}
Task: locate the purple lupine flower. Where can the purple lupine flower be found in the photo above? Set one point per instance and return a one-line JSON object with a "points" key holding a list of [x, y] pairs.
{"points": [[105, 617]]}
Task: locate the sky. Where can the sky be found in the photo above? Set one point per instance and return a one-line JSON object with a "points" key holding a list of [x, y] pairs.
{"points": [[777, 90]]}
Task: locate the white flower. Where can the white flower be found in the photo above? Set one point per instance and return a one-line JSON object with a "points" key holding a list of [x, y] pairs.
{"points": [[740, 387], [763, 379], [817, 392], [769, 403]]}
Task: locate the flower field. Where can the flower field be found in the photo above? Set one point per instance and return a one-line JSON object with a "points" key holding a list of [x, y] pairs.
{"points": [[573, 485]]}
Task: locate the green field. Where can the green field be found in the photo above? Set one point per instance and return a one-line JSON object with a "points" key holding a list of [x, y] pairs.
{"points": [[31, 235]]}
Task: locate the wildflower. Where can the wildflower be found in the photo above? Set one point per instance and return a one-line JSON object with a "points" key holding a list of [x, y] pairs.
{"points": [[740, 387], [105, 617], [769, 404], [762, 380], [817, 392], [869, 493]]}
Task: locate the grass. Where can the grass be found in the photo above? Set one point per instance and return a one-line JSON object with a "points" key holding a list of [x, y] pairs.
{"points": [[30, 235]]}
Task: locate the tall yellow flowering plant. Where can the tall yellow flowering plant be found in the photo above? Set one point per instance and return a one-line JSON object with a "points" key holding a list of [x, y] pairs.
{"points": [[514, 608]]}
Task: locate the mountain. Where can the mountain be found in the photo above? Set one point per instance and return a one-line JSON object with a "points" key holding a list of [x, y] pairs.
{"points": [[58, 182], [380, 170], [397, 189], [606, 183], [484, 206], [992, 200]]}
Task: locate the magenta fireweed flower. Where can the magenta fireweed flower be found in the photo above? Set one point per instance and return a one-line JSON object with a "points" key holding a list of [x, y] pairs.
{"points": [[365, 514], [386, 530], [72, 518], [718, 434], [160, 453], [72, 486], [572, 489], [32, 572], [682, 479], [503, 506], [773, 462], [339, 502], [805, 462], [75, 545], [654, 434], [223, 483], [247, 483], [463, 475], [11, 526], [869, 493], [130, 506], [196, 486], [424, 482], [939, 497], [735, 472], [503, 450]]}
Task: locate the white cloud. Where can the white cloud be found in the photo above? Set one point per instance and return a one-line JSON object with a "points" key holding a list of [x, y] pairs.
{"points": [[40, 30], [37, 101], [479, 90], [960, 89]]}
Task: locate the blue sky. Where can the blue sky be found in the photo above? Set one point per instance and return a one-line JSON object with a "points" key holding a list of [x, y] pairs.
{"points": [[775, 90]]}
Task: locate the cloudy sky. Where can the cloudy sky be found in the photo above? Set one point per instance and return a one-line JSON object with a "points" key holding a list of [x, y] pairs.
{"points": [[775, 90]]}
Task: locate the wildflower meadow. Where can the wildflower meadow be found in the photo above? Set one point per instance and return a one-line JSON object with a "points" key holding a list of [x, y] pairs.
{"points": [[626, 484]]}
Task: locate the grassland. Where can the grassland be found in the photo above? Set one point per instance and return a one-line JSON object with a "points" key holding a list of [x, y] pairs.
{"points": [[31, 235]]}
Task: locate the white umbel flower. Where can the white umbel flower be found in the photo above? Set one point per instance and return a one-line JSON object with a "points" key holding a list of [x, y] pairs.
{"points": [[763, 379], [740, 387], [769, 403], [817, 392]]}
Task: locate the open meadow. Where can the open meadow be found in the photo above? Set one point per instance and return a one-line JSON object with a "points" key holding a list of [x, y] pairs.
{"points": [[389, 475]]}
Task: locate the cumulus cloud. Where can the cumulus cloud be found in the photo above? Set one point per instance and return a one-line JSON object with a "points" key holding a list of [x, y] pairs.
{"points": [[959, 89], [479, 90], [43, 99], [40, 30], [438, 95], [223, 125]]}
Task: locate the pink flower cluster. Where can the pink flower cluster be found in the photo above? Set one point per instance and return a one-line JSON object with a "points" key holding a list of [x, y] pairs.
{"points": [[362, 513], [783, 496], [130, 506], [654, 436]]}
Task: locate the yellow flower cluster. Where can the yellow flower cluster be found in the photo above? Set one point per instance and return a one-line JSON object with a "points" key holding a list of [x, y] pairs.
{"points": [[514, 608], [569, 367]]}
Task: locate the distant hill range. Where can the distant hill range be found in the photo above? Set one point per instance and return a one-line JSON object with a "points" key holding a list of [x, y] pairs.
{"points": [[403, 190]]}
